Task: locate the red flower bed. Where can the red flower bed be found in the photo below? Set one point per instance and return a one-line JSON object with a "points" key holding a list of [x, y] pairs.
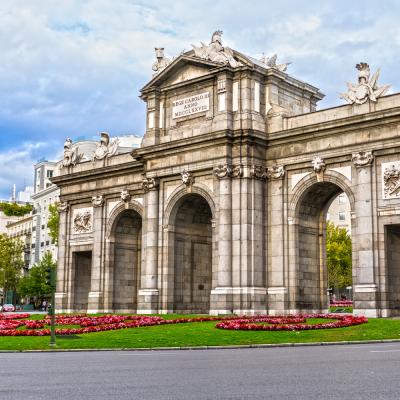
{"points": [[87, 324], [285, 324], [341, 303]]}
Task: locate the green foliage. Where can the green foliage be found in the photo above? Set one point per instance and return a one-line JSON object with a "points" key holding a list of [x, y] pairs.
{"points": [[338, 256], [53, 222], [15, 210], [11, 262], [34, 284]]}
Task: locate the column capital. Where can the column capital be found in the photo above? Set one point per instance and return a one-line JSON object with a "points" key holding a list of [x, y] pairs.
{"points": [[228, 171], [98, 201], [149, 183], [258, 172], [362, 159], [63, 207], [276, 172]]}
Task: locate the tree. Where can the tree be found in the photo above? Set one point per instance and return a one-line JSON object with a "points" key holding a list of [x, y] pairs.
{"points": [[34, 283], [53, 222], [11, 262], [338, 255], [13, 209]]}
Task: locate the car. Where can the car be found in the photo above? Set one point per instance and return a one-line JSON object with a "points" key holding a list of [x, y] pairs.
{"points": [[8, 307]]}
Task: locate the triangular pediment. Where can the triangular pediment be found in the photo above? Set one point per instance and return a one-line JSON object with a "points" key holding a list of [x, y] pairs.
{"points": [[183, 68]]}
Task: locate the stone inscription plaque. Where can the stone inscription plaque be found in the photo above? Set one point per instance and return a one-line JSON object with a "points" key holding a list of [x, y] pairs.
{"points": [[191, 105]]}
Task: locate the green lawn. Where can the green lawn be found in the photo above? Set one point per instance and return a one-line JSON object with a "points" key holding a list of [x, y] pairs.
{"points": [[203, 334]]}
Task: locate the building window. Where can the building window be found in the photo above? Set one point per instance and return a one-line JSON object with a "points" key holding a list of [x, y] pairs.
{"points": [[342, 216], [41, 244], [42, 226], [342, 199], [47, 242], [49, 173], [33, 245]]}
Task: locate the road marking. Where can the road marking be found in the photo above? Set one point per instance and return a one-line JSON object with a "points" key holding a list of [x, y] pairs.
{"points": [[383, 351]]}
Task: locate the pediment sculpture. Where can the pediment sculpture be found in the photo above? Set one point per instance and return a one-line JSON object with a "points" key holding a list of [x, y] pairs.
{"points": [[216, 52], [71, 155], [367, 87], [105, 148]]}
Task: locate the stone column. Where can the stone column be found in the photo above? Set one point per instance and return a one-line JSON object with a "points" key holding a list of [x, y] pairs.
{"points": [[148, 293], [63, 269], [221, 296], [364, 285], [277, 285], [96, 295]]}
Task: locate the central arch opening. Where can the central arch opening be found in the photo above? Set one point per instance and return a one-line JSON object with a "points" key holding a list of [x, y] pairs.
{"points": [[192, 255], [311, 231]]}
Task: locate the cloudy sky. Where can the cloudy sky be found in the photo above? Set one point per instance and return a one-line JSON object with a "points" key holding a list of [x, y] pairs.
{"points": [[73, 68]]}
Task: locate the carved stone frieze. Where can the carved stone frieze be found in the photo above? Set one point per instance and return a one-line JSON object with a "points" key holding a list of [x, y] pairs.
{"points": [[318, 164], [82, 220], [149, 184], [237, 171], [391, 180], [258, 172], [63, 207], [125, 195], [363, 158], [98, 200], [276, 172]]}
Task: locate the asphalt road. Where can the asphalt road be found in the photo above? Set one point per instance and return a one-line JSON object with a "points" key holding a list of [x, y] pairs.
{"points": [[326, 372]]}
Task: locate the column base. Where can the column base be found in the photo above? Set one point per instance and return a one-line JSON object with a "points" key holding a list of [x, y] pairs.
{"points": [[278, 300], [148, 301], [238, 300], [61, 302], [365, 300], [95, 302]]}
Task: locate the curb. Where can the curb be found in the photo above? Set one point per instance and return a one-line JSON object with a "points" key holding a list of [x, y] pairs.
{"points": [[238, 347]]}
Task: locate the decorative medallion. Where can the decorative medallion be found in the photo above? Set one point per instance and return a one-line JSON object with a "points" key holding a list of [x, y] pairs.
{"points": [[222, 171]]}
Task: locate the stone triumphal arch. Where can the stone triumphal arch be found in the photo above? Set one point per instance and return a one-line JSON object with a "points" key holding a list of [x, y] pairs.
{"points": [[223, 207]]}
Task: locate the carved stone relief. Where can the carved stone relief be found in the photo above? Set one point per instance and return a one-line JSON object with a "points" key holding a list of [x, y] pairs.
{"points": [[391, 180], [187, 178], [63, 207], [228, 171], [82, 220], [270, 62], [71, 155], [105, 148], [161, 62]]}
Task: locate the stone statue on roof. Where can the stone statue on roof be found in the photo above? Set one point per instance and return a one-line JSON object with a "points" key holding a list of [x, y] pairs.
{"points": [[71, 155], [270, 62], [161, 62], [367, 87], [216, 52], [105, 148]]}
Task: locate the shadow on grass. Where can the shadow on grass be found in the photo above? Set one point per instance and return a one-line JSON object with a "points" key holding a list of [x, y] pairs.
{"points": [[68, 337]]}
